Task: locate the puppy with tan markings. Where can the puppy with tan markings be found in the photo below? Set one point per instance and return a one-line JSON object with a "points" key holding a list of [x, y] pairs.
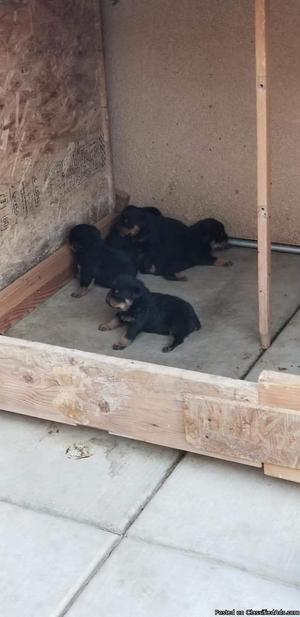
{"points": [[95, 261], [143, 311]]}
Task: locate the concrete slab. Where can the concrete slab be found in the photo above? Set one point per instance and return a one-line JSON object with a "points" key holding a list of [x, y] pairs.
{"points": [[149, 581], [224, 298], [76, 472], [284, 354], [44, 560], [230, 513]]}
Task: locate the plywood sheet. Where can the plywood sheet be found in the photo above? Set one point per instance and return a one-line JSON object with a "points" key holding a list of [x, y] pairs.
{"points": [[53, 158]]}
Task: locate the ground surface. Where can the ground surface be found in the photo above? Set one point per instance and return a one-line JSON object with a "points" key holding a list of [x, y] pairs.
{"points": [[225, 300], [94, 525]]}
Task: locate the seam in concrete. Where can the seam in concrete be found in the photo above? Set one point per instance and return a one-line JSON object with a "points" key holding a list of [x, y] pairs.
{"points": [[83, 521], [217, 561], [62, 516], [96, 567], [93, 569], [276, 335]]}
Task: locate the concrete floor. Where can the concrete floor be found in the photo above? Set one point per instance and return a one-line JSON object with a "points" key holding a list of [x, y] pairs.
{"points": [[225, 299], [92, 524]]}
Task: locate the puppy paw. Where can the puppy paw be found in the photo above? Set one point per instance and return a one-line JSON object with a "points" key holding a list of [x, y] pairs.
{"points": [[74, 294], [223, 263], [103, 327], [167, 348], [118, 346]]}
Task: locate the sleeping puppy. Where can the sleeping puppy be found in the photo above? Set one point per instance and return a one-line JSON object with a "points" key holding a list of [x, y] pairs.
{"points": [[120, 239], [209, 231], [95, 261], [143, 311]]}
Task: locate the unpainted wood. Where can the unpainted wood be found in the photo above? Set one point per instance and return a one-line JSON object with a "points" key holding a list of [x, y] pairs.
{"points": [[39, 283], [263, 172], [243, 430], [279, 390], [55, 159], [284, 473], [133, 399]]}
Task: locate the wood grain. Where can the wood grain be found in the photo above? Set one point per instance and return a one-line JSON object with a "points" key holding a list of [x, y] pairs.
{"points": [[40, 282], [133, 399], [279, 390], [242, 430], [263, 172], [284, 473], [55, 158]]}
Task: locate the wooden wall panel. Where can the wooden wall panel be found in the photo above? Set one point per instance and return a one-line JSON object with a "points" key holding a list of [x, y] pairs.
{"points": [[53, 152]]}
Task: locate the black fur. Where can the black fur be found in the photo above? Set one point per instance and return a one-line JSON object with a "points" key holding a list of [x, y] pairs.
{"points": [[151, 312], [119, 239], [96, 261], [209, 231]]}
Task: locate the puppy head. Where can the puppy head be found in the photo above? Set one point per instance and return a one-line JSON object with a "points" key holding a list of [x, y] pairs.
{"points": [[81, 237], [214, 233], [124, 292], [135, 220]]}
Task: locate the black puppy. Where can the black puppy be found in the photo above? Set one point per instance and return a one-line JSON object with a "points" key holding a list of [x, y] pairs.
{"points": [[159, 240], [95, 261], [209, 231], [167, 246], [119, 238], [144, 311]]}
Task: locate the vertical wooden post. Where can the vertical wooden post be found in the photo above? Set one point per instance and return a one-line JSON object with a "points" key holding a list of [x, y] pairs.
{"points": [[263, 172], [105, 113]]}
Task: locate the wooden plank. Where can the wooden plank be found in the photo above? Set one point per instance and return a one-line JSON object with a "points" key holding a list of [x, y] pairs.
{"points": [[24, 294], [263, 172], [284, 473], [157, 404], [279, 390], [133, 399], [243, 430], [55, 160]]}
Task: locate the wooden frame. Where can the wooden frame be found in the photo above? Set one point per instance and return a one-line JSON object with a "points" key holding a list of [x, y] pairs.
{"points": [[263, 172], [255, 424]]}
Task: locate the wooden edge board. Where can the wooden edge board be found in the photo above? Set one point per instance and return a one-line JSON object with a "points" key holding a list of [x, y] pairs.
{"points": [[283, 473], [39, 283], [249, 432], [147, 402], [279, 390]]}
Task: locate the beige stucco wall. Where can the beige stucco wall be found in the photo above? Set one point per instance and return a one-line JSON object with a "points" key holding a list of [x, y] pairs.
{"points": [[182, 97]]}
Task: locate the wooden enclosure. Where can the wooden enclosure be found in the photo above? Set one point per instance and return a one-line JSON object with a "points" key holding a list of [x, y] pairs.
{"points": [[56, 155]]}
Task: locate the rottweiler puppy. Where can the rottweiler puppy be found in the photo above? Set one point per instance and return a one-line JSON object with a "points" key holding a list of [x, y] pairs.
{"points": [[167, 247], [119, 237], [143, 311], [209, 231], [95, 261]]}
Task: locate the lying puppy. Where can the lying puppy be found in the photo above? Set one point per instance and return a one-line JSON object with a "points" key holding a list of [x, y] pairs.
{"points": [[167, 246], [144, 311], [95, 261], [121, 239], [209, 231]]}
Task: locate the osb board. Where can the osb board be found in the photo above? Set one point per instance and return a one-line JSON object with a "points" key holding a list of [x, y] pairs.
{"points": [[185, 139], [53, 168]]}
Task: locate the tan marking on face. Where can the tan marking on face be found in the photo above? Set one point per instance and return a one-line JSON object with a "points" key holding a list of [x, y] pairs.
{"points": [[133, 231], [121, 305]]}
